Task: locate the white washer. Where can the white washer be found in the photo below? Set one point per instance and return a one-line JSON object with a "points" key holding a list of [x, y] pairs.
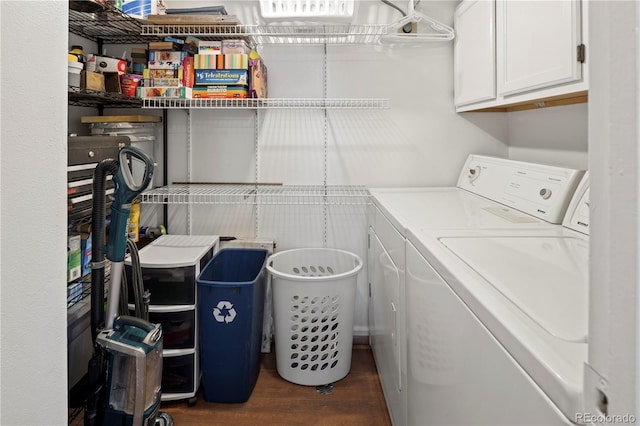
{"points": [[524, 293], [541, 191]]}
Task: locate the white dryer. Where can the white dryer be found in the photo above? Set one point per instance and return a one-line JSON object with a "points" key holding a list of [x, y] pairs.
{"points": [[491, 193], [506, 339]]}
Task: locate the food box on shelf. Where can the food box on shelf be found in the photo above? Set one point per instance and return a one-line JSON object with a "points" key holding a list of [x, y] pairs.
{"points": [[209, 47], [226, 77], [164, 92], [235, 46], [172, 45], [162, 73], [166, 82], [74, 257], [219, 91], [257, 78], [85, 246], [165, 59], [234, 61], [188, 73]]}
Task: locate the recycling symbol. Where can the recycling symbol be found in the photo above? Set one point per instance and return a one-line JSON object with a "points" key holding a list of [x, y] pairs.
{"points": [[224, 306]]}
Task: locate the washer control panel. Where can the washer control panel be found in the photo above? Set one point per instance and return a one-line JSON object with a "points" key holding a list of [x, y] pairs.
{"points": [[577, 217], [540, 190]]}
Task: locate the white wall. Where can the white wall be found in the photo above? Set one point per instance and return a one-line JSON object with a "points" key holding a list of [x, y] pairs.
{"points": [[613, 159], [556, 136], [33, 224]]}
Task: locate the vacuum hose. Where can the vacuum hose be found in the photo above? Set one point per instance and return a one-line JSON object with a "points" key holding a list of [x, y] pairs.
{"points": [[141, 297], [96, 371], [104, 168]]}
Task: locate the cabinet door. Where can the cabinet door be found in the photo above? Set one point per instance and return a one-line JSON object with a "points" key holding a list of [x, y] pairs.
{"points": [[474, 47], [537, 44]]}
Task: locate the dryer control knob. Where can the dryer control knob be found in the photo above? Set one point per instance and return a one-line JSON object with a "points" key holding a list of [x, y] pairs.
{"points": [[474, 173], [545, 193]]}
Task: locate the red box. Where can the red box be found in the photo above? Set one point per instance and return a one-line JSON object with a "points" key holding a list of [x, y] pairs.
{"points": [[188, 72]]}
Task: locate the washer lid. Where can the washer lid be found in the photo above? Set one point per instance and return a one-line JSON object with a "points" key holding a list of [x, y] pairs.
{"points": [[449, 208], [545, 277]]}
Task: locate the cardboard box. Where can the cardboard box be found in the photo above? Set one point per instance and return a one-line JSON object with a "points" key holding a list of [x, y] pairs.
{"points": [[188, 72], [112, 82], [219, 91], [165, 59], [92, 81], [74, 292], [139, 53], [224, 77], [234, 61], [210, 47], [162, 73], [235, 46], [257, 78], [74, 256], [85, 247], [106, 64], [165, 82], [164, 92]]}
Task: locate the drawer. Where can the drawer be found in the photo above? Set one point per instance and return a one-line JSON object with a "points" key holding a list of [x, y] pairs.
{"points": [[178, 328], [178, 374], [93, 149], [168, 286]]}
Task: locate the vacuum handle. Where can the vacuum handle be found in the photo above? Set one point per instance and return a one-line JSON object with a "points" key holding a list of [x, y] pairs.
{"points": [[124, 320], [153, 332], [126, 190], [125, 176]]}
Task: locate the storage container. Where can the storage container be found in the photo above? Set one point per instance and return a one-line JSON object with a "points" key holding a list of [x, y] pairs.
{"points": [[74, 73], [170, 265], [231, 292], [314, 302]]}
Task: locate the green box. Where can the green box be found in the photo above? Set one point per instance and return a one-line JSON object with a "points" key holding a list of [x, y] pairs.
{"points": [[74, 257]]}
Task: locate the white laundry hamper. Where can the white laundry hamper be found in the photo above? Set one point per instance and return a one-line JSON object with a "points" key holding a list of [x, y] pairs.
{"points": [[314, 292]]}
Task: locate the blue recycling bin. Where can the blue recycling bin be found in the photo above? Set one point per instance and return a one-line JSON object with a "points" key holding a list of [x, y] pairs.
{"points": [[231, 290]]}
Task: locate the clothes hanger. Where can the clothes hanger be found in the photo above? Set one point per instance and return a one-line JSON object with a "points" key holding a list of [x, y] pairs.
{"points": [[440, 31]]}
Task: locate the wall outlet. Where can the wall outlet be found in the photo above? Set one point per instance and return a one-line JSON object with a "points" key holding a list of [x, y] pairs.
{"points": [[414, 29]]}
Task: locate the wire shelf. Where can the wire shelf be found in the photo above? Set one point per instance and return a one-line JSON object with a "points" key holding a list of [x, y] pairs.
{"points": [[263, 194], [91, 98], [275, 34], [266, 103], [109, 26], [112, 26]]}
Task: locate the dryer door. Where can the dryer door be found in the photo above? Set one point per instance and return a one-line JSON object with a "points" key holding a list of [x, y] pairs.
{"points": [[384, 321]]}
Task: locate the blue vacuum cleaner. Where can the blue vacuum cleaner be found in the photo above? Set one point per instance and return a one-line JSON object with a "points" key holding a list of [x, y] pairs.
{"points": [[125, 373]]}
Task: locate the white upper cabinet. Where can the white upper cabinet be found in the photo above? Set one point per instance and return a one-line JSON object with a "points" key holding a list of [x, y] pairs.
{"points": [[475, 50], [527, 53], [538, 44]]}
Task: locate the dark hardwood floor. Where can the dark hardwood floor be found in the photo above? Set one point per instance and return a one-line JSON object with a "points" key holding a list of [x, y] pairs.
{"points": [[355, 400]]}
